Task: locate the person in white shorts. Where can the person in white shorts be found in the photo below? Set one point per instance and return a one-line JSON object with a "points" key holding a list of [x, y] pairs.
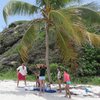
{"points": [[42, 77]]}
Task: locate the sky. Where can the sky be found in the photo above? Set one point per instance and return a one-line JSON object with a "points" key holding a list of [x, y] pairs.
{"points": [[16, 18]]}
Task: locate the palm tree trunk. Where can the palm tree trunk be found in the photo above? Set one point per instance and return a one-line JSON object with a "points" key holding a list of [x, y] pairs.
{"points": [[47, 52]]}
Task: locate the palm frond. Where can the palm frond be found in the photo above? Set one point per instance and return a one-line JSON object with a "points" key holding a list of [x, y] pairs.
{"points": [[66, 47], [18, 7], [82, 14], [66, 31], [92, 5], [42, 2], [26, 43], [94, 39], [55, 4], [23, 52], [28, 39], [61, 3], [86, 37], [79, 35], [63, 22], [89, 15], [87, 12]]}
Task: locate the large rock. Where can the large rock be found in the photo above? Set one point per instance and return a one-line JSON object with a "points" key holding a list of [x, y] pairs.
{"points": [[9, 41]]}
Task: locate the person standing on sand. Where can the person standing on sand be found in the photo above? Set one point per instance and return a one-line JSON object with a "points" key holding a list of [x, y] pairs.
{"points": [[59, 78], [42, 68], [68, 82], [21, 74], [37, 79]]}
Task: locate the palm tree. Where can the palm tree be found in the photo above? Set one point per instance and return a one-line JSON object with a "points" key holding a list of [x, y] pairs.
{"points": [[65, 22]]}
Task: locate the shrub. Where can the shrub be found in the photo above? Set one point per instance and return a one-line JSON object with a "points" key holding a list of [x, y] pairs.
{"points": [[89, 63]]}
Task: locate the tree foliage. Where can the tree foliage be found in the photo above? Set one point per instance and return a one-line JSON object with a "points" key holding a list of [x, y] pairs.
{"points": [[89, 63]]}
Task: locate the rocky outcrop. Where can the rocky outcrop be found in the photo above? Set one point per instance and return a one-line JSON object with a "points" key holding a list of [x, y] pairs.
{"points": [[9, 41]]}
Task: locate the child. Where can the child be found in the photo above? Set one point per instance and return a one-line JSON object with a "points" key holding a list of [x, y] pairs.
{"points": [[37, 79], [68, 82]]}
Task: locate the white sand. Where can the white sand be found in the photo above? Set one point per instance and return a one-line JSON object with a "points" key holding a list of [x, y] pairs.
{"points": [[9, 91]]}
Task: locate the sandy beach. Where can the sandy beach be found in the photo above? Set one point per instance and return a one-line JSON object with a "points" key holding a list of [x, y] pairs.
{"points": [[9, 91]]}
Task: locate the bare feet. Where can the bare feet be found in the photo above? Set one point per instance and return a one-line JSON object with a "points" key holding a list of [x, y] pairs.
{"points": [[67, 96]]}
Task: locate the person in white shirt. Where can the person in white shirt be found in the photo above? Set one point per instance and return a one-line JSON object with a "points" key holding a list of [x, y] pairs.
{"points": [[59, 78], [21, 74]]}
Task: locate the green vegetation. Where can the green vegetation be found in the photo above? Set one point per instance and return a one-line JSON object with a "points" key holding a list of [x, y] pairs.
{"points": [[11, 75], [87, 70], [93, 80], [8, 75], [58, 18], [12, 25], [11, 51], [89, 61]]}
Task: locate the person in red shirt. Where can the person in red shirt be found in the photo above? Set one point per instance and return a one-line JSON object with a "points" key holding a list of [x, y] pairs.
{"points": [[68, 82]]}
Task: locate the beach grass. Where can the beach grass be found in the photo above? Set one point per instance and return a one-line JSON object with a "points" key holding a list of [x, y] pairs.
{"points": [[93, 80]]}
